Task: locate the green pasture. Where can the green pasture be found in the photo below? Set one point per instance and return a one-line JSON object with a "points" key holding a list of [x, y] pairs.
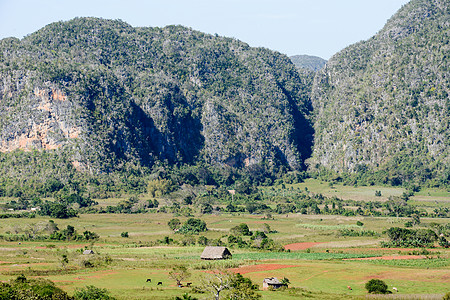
{"points": [[367, 193], [322, 272], [346, 192], [319, 273]]}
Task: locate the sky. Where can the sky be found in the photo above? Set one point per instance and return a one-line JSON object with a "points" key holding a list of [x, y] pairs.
{"points": [[292, 27]]}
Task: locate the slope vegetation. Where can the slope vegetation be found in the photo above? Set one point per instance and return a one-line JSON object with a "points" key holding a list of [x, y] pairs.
{"points": [[106, 94], [382, 105]]}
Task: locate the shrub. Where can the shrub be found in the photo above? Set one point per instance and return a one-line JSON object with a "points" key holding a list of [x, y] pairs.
{"points": [[376, 286], [193, 226], [91, 292], [174, 224], [241, 229], [39, 289]]}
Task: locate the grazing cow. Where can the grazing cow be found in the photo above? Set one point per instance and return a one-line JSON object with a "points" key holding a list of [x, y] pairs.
{"points": [[349, 287], [149, 280], [395, 289], [159, 283], [188, 284]]}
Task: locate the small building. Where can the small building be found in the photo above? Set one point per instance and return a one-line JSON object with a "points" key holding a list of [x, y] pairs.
{"points": [[272, 282], [214, 253], [88, 252]]}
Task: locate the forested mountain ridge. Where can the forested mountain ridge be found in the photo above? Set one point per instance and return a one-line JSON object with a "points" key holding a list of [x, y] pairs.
{"points": [[104, 94], [382, 105], [313, 63], [107, 99]]}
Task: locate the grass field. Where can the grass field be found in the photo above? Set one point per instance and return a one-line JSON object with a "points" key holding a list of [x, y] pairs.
{"points": [[322, 273], [319, 272]]}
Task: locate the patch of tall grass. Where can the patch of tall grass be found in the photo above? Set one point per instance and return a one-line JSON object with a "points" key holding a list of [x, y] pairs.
{"points": [[407, 296], [413, 263], [326, 227], [295, 255], [218, 264]]}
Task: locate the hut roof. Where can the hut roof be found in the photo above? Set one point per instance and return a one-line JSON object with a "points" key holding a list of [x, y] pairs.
{"points": [[272, 280], [211, 252]]}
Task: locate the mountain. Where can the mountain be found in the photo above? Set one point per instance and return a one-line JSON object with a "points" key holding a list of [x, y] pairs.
{"points": [[382, 105], [313, 63], [100, 95]]}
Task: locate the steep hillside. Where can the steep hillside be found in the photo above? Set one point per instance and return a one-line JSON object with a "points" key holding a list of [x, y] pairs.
{"points": [[383, 105], [106, 94], [313, 63]]}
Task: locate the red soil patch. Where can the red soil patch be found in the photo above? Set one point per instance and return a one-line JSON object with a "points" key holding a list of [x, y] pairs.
{"points": [[390, 257], [259, 268], [300, 246]]}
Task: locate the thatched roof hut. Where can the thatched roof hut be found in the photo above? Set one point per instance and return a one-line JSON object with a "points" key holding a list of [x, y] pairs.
{"points": [[273, 283], [212, 253]]}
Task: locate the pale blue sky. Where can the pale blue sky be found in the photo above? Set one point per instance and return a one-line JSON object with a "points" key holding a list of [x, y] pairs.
{"points": [[314, 27]]}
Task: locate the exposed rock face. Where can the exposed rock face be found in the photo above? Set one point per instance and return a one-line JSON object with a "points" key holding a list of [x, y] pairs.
{"points": [[106, 94], [44, 123]]}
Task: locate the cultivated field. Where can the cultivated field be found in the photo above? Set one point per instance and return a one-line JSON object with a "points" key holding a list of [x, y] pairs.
{"points": [[320, 263]]}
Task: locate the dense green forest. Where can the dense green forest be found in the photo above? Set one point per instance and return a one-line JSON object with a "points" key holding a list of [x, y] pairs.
{"points": [[382, 105], [107, 93], [93, 108]]}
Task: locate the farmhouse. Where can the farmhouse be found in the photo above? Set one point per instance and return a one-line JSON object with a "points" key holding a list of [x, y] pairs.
{"points": [[272, 282], [213, 253]]}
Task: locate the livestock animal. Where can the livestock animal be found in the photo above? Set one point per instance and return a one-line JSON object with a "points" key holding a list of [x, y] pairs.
{"points": [[349, 287], [148, 280], [395, 289], [188, 284], [159, 283]]}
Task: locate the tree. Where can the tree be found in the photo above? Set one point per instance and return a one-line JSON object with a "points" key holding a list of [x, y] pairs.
{"points": [[160, 187], [193, 226], [241, 229], [376, 286], [179, 273], [236, 286], [174, 224], [64, 260], [285, 281], [415, 219], [57, 210], [216, 282], [89, 235], [202, 240], [243, 288], [396, 206], [51, 227]]}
